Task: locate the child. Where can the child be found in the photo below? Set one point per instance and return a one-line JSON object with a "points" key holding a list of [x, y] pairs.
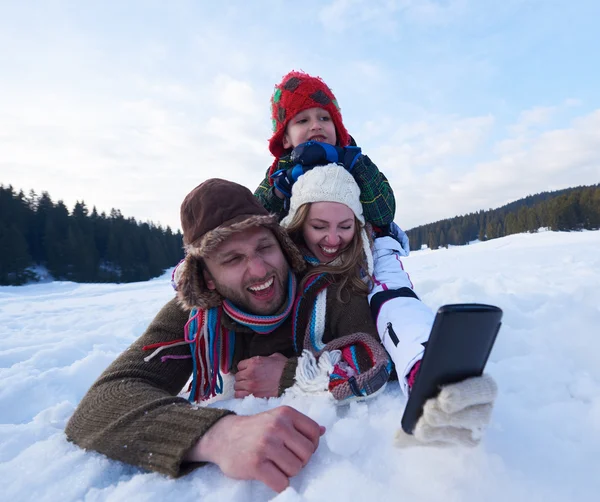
{"points": [[305, 109], [308, 131]]}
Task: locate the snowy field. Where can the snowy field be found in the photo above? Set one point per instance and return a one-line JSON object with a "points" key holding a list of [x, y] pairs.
{"points": [[543, 444]]}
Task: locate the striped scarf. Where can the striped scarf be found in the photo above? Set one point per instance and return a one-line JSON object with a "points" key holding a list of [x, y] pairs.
{"points": [[314, 311], [212, 345], [356, 367], [263, 324], [310, 313]]}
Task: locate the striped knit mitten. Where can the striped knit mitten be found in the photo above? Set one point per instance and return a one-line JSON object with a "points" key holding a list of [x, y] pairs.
{"points": [[351, 368]]}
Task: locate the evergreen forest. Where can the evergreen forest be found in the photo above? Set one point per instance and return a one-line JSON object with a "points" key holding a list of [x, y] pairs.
{"points": [[80, 245], [562, 210], [84, 246]]}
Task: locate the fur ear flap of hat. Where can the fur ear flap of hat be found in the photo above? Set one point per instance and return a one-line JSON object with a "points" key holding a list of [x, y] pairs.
{"points": [[211, 213], [330, 183], [299, 91]]}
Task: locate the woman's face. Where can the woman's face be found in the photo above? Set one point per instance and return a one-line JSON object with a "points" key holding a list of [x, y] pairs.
{"points": [[328, 229]]}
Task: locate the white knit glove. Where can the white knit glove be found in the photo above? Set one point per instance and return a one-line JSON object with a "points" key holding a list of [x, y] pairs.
{"points": [[457, 416]]}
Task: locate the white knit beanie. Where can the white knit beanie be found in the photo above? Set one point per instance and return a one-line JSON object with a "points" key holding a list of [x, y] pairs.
{"points": [[330, 183]]}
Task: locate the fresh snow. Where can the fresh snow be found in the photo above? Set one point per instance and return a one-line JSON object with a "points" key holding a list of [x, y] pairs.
{"points": [[543, 443]]}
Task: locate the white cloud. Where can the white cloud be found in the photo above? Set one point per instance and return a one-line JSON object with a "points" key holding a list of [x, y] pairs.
{"points": [[387, 15], [435, 12], [429, 144], [131, 106], [537, 116], [541, 161], [236, 96], [141, 156]]}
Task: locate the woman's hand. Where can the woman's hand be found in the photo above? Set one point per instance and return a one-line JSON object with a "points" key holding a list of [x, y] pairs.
{"points": [[458, 415]]}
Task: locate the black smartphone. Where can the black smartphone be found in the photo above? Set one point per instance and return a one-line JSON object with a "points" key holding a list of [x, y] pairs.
{"points": [[459, 345]]}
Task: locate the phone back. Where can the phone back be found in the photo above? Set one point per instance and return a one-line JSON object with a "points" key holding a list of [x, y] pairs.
{"points": [[459, 345]]}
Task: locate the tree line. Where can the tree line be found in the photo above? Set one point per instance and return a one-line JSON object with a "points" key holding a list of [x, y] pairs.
{"points": [[89, 247], [564, 210], [79, 246]]}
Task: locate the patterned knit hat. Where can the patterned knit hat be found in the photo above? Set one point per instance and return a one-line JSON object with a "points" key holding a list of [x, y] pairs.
{"points": [[330, 183], [298, 91], [210, 213]]}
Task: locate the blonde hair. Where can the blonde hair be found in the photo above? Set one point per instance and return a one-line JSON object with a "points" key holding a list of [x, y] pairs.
{"points": [[352, 272]]}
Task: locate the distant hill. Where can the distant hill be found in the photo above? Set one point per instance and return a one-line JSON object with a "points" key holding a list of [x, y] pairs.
{"points": [[80, 246], [568, 209]]}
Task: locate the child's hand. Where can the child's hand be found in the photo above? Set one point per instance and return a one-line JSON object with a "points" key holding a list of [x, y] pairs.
{"points": [[284, 179], [310, 154], [313, 153]]}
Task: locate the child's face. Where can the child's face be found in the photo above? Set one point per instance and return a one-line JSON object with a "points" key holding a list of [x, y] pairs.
{"points": [[313, 124]]}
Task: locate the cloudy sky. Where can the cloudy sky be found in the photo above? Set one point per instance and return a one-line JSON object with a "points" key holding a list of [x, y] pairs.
{"points": [[463, 104]]}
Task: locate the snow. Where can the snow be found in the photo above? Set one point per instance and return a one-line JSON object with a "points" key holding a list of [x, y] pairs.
{"points": [[542, 445]]}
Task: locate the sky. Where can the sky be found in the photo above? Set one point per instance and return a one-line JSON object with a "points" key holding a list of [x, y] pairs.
{"points": [[541, 446], [463, 104]]}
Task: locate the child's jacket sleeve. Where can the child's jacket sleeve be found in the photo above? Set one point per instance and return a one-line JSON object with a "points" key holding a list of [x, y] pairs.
{"points": [[376, 194], [264, 193]]}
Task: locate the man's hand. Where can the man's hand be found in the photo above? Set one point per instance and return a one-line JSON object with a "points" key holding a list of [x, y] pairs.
{"points": [[259, 376], [270, 447], [457, 416]]}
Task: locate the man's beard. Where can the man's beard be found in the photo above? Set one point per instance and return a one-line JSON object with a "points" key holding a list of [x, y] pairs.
{"points": [[245, 301]]}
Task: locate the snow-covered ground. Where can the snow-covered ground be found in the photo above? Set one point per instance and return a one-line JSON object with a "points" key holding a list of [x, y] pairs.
{"points": [[543, 444]]}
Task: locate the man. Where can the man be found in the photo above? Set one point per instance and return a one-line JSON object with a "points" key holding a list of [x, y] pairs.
{"points": [[236, 289]]}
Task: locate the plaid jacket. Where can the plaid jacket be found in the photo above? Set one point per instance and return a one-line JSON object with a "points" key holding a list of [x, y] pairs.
{"points": [[376, 195]]}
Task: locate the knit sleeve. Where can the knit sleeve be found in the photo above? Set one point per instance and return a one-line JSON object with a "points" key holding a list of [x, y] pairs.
{"points": [[376, 194], [132, 412], [348, 317], [265, 194], [287, 379]]}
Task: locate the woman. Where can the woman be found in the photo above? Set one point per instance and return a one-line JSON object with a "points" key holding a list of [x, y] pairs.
{"points": [[326, 222]]}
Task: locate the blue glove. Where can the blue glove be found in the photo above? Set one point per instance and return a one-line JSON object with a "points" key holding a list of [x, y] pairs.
{"points": [[284, 179], [313, 153]]}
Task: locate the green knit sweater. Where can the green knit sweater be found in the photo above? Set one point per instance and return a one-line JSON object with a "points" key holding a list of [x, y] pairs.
{"points": [[132, 412], [376, 194]]}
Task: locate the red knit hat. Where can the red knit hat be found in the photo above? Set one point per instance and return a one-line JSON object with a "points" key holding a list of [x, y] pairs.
{"points": [[298, 91]]}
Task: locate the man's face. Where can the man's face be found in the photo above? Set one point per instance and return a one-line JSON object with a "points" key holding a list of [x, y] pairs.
{"points": [[250, 270]]}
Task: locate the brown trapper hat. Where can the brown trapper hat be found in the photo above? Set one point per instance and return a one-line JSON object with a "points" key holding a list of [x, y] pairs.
{"points": [[210, 213]]}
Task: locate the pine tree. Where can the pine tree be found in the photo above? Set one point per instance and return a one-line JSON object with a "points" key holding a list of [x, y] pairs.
{"points": [[532, 221], [56, 233], [15, 256]]}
